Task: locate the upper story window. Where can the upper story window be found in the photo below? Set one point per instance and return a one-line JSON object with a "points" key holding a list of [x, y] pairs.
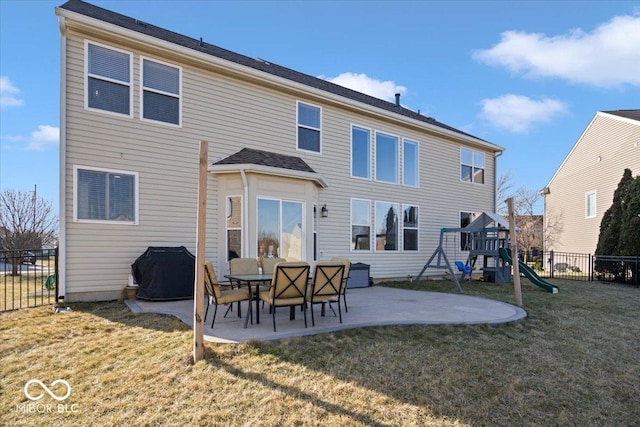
{"points": [[471, 166], [386, 158], [410, 163], [309, 127], [160, 92], [360, 152], [105, 195], [108, 79], [590, 204]]}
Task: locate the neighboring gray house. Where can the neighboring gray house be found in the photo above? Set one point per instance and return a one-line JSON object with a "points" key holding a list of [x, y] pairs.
{"points": [[298, 167], [581, 190]]}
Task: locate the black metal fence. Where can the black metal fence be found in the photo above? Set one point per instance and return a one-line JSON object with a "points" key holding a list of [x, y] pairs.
{"points": [[576, 266], [28, 278]]}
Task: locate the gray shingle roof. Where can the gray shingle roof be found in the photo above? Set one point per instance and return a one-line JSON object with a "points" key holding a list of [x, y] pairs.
{"points": [[123, 21], [629, 114], [266, 158]]}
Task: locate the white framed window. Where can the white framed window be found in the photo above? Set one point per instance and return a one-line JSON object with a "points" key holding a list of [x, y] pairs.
{"points": [[472, 165], [409, 228], [410, 163], [360, 152], [160, 92], [386, 226], [360, 225], [108, 73], [234, 227], [309, 118], [280, 229], [590, 204], [386, 158], [105, 195], [466, 218]]}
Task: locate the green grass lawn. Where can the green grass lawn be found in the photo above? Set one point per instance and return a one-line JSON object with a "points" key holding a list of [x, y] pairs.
{"points": [[575, 360]]}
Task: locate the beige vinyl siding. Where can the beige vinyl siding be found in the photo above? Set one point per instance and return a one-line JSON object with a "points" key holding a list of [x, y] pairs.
{"points": [[597, 162], [232, 114]]}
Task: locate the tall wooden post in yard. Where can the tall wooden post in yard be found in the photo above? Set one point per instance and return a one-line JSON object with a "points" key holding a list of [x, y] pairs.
{"points": [[201, 238], [514, 252]]}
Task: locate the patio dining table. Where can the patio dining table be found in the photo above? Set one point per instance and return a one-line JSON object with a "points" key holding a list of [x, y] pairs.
{"points": [[252, 281]]}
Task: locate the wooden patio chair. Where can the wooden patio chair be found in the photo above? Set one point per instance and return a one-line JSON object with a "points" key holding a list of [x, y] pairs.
{"points": [[288, 288], [217, 296], [327, 285]]}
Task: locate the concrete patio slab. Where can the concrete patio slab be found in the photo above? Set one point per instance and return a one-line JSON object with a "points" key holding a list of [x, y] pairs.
{"points": [[374, 306]]}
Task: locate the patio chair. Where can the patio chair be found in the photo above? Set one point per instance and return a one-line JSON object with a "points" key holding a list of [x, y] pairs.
{"points": [[345, 279], [327, 285], [268, 264], [288, 288], [217, 296], [244, 266]]}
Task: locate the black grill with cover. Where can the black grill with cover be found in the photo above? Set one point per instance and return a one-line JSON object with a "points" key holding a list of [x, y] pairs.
{"points": [[165, 273]]}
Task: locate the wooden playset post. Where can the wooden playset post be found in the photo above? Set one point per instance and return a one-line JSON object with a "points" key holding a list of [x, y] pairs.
{"points": [[514, 252]]}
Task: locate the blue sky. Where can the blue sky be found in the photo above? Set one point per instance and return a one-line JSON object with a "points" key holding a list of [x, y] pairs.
{"points": [[528, 76]]}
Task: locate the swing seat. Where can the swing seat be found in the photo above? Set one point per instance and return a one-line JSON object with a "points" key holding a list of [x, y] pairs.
{"points": [[462, 268]]}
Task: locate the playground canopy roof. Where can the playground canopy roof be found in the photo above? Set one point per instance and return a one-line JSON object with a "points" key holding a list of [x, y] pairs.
{"points": [[487, 220]]}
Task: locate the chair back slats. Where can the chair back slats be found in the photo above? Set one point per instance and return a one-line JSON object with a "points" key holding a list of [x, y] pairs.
{"points": [[327, 278], [243, 266], [289, 280]]}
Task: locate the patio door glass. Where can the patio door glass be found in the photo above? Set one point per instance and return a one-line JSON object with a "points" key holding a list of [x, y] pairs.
{"points": [[280, 229]]}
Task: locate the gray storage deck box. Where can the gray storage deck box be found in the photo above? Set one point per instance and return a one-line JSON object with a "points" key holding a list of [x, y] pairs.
{"points": [[358, 275]]}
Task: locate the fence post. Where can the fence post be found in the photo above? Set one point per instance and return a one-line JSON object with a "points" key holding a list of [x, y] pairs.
{"points": [[55, 272], [551, 263]]}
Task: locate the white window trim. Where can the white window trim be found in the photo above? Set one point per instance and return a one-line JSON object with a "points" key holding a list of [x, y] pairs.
{"points": [[417, 227], [303, 231], [375, 231], [298, 125], [143, 89], [473, 154], [136, 201], [351, 224], [226, 227], [106, 79], [417, 162], [586, 204], [375, 159], [370, 163]]}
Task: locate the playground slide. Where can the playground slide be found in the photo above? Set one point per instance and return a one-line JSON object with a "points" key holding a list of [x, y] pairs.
{"points": [[529, 273]]}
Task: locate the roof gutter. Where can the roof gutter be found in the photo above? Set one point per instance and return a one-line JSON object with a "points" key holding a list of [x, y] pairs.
{"points": [[93, 27]]}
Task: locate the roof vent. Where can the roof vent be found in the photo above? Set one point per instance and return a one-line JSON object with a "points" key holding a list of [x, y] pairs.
{"points": [[397, 100], [142, 24]]}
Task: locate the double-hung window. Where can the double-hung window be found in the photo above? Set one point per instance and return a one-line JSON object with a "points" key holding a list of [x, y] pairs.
{"points": [[105, 195], [410, 228], [309, 127], [360, 152], [108, 85], [386, 158], [160, 92], [234, 227], [471, 166]]}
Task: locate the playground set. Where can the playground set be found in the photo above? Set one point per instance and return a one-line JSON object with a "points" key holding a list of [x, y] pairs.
{"points": [[486, 237]]}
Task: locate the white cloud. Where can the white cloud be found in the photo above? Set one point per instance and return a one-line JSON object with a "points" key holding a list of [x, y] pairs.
{"points": [[607, 56], [518, 114], [7, 94], [44, 137], [362, 83]]}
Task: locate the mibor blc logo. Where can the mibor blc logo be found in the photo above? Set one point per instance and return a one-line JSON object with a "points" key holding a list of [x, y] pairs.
{"points": [[35, 390]]}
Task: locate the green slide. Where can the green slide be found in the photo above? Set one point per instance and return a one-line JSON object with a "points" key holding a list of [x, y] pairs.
{"points": [[529, 273]]}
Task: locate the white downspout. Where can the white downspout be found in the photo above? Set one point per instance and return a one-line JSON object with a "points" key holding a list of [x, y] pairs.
{"points": [[62, 237], [245, 215]]}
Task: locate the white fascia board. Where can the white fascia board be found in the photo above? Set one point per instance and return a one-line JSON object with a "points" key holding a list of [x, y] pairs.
{"points": [[268, 170], [270, 79], [622, 119]]}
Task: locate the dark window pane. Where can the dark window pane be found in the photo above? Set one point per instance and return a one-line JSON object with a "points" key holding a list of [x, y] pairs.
{"points": [[478, 175], [308, 139], [108, 96], [361, 237], [109, 63], [234, 244], [92, 188], [309, 115], [162, 108], [410, 240], [161, 77], [465, 173], [121, 197]]}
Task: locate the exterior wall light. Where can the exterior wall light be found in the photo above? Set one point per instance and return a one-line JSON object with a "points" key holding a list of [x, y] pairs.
{"points": [[324, 211]]}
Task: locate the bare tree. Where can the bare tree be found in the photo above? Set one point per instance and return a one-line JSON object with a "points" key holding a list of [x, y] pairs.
{"points": [[26, 222], [503, 192]]}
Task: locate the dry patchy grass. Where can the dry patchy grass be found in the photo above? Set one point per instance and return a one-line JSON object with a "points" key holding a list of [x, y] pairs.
{"points": [[574, 361]]}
